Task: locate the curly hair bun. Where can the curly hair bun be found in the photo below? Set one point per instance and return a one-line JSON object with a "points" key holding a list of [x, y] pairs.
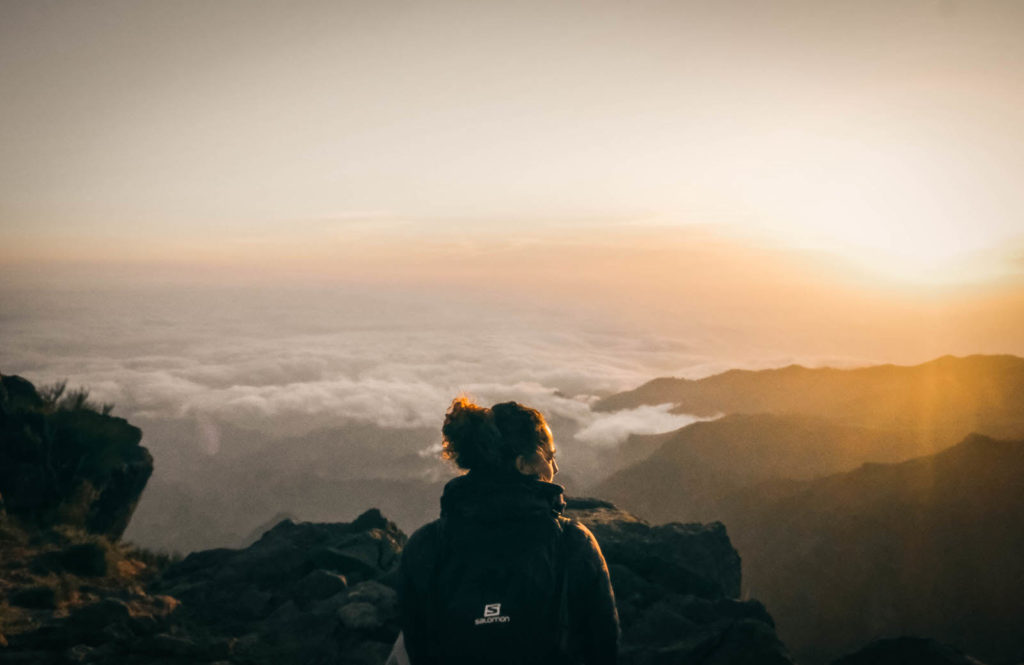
{"points": [[471, 439], [475, 437]]}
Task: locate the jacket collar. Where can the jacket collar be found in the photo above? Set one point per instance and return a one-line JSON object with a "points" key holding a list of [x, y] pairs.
{"points": [[491, 498]]}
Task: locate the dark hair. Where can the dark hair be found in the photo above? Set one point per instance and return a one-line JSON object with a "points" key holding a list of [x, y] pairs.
{"points": [[475, 437]]}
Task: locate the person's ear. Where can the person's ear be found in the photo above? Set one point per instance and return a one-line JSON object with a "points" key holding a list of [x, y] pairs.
{"points": [[523, 467]]}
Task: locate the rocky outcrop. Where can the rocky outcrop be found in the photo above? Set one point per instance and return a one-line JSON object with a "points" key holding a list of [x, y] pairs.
{"points": [[319, 593], [66, 463], [71, 597], [692, 559], [677, 588], [302, 593], [323, 592]]}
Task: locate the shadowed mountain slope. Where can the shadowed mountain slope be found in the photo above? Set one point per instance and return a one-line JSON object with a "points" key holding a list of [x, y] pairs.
{"points": [[696, 466], [929, 547]]}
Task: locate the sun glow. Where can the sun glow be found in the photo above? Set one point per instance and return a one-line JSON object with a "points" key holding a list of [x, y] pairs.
{"points": [[891, 203]]}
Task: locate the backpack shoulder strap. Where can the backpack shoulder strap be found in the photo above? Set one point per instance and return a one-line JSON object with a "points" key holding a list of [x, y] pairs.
{"points": [[563, 599], [439, 558]]}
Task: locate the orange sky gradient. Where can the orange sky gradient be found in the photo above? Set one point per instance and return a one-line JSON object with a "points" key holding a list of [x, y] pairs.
{"points": [[843, 177]]}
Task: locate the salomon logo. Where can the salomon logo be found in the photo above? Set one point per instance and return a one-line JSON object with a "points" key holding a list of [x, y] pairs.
{"points": [[492, 614]]}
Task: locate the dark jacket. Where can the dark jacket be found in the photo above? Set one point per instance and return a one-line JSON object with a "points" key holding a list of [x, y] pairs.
{"points": [[489, 514]]}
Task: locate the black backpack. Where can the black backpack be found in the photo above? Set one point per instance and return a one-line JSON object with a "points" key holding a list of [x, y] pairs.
{"points": [[500, 591]]}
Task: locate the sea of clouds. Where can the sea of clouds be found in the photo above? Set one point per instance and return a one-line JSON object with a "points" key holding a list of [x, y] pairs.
{"points": [[289, 361]]}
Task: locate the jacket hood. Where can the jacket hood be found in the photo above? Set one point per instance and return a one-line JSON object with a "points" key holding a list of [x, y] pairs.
{"points": [[490, 498]]}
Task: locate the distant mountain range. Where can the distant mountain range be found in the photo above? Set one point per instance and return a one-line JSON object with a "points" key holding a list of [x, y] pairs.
{"points": [[944, 398], [856, 512], [796, 423]]}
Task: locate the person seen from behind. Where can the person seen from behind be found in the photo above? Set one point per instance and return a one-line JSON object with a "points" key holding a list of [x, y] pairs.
{"points": [[502, 576]]}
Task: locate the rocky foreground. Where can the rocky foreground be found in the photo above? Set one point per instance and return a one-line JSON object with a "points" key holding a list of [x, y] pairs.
{"points": [[323, 593]]}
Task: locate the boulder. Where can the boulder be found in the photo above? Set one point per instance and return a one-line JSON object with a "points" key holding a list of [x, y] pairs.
{"points": [[318, 585], [370, 607], [676, 588], [693, 559], [299, 561], [67, 463], [304, 592]]}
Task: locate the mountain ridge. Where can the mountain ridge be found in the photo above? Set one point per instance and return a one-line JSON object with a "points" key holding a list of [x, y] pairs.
{"points": [[960, 394]]}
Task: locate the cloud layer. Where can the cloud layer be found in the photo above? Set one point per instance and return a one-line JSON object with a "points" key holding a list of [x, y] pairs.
{"points": [[217, 358]]}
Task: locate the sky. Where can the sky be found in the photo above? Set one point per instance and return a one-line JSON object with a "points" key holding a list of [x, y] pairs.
{"points": [[215, 133], [751, 183]]}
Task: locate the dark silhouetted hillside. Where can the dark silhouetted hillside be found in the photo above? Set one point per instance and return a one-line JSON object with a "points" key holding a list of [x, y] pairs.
{"points": [[932, 547]]}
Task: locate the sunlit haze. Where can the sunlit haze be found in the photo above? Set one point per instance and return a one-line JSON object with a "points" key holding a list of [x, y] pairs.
{"points": [[886, 133], [700, 185]]}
